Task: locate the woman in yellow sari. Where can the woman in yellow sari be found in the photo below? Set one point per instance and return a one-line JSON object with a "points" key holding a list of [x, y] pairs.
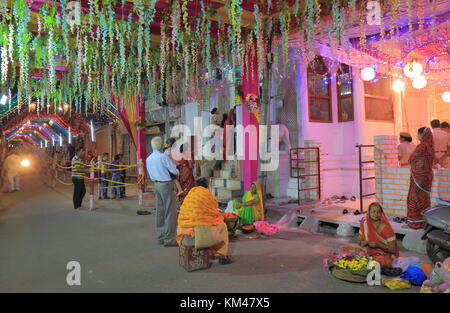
{"points": [[251, 208]]}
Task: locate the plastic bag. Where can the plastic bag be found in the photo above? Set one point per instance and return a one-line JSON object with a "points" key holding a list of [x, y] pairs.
{"points": [[414, 275], [345, 230], [403, 262], [396, 283]]}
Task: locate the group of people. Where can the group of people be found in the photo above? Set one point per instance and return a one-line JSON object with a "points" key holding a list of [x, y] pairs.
{"points": [[198, 207], [113, 171], [441, 145], [224, 121]]}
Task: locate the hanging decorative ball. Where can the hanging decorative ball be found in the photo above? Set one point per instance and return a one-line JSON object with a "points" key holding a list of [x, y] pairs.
{"points": [[446, 96], [419, 82], [50, 123], [367, 73], [398, 85], [413, 69], [33, 106], [66, 107]]}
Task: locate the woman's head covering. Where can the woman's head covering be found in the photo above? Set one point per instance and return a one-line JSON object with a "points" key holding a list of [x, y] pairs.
{"points": [[426, 136]]}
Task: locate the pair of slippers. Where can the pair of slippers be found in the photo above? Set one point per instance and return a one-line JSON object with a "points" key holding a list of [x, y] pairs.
{"points": [[399, 220], [345, 211]]}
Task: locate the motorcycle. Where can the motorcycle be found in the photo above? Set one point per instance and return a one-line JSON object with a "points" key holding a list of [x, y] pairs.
{"points": [[437, 231]]}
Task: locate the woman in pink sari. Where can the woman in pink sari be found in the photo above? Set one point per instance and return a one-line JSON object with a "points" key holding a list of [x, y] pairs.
{"points": [[377, 237], [421, 179]]}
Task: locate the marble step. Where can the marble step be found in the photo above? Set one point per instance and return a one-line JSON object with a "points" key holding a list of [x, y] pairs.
{"points": [[224, 194], [232, 184]]}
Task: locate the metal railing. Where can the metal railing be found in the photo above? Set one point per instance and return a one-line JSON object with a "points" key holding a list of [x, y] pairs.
{"points": [[297, 163], [361, 179]]}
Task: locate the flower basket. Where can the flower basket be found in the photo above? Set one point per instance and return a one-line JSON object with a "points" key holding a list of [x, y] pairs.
{"points": [[346, 266], [230, 220], [265, 228]]}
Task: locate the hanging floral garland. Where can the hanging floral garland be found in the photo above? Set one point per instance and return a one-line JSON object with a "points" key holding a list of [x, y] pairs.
{"points": [[285, 21]]}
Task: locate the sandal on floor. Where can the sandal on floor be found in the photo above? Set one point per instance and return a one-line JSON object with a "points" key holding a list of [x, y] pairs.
{"points": [[223, 260], [397, 219], [391, 271], [353, 198], [357, 212], [334, 197], [344, 198], [345, 211]]}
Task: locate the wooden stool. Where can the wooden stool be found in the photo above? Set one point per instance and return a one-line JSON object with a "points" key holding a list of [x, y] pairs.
{"points": [[192, 259]]}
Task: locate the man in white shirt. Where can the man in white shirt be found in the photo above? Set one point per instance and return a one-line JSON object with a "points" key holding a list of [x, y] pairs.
{"points": [[441, 144], [405, 149], [159, 167]]}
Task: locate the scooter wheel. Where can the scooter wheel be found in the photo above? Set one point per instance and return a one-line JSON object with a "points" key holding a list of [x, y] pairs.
{"points": [[436, 253]]}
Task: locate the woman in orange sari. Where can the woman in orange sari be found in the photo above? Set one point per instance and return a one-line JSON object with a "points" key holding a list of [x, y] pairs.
{"points": [[377, 237]]}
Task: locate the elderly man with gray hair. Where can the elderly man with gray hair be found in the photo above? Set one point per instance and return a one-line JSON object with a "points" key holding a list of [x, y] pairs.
{"points": [[159, 167]]}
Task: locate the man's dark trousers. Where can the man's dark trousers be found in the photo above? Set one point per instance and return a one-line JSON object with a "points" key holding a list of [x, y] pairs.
{"points": [[79, 191]]}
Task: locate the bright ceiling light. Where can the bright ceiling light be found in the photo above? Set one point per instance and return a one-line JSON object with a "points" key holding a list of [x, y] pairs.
{"points": [[3, 100], [398, 85], [419, 82], [367, 74], [446, 96], [25, 163], [413, 69]]}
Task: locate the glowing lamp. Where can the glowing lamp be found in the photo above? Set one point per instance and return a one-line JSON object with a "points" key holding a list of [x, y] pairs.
{"points": [[446, 96], [398, 85], [3, 100], [50, 123], [66, 107], [413, 69], [25, 163], [367, 74], [419, 82]]}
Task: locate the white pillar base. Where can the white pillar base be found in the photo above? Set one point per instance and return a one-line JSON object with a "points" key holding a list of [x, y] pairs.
{"points": [[91, 202]]}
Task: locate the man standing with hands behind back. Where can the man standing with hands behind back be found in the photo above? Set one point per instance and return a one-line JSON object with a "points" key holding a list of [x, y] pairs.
{"points": [[159, 167]]}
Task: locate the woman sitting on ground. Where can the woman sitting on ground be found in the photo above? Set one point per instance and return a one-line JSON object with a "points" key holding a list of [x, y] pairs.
{"points": [[200, 218], [377, 237], [251, 208]]}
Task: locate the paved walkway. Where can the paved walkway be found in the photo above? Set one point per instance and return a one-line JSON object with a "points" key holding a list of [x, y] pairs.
{"points": [[40, 233]]}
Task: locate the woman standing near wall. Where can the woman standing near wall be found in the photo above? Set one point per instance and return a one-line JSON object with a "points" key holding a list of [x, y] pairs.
{"points": [[421, 179]]}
